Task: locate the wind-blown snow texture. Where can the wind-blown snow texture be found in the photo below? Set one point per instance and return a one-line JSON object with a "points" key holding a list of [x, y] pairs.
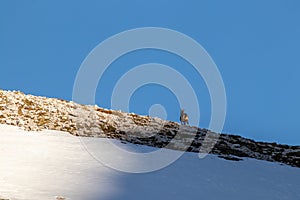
{"points": [[43, 165], [37, 113]]}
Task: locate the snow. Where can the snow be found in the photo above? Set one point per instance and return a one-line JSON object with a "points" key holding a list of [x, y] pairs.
{"points": [[43, 165], [34, 113]]}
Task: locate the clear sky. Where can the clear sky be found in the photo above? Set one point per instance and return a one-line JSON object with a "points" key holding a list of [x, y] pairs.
{"points": [[255, 45]]}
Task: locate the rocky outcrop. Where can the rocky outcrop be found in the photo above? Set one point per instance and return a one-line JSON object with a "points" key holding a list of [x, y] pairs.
{"points": [[34, 113]]}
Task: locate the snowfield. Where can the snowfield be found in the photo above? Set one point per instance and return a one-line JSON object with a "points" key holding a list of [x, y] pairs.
{"points": [[46, 164]]}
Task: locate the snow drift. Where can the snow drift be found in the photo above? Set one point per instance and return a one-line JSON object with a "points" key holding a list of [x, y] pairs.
{"points": [[46, 164]]}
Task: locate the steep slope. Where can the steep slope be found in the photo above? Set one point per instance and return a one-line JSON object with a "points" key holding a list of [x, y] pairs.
{"points": [[47, 164], [38, 113]]}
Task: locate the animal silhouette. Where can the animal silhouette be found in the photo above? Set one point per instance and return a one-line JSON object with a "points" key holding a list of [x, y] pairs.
{"points": [[184, 118]]}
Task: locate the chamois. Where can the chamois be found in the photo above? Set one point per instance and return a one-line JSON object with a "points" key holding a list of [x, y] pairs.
{"points": [[184, 118]]}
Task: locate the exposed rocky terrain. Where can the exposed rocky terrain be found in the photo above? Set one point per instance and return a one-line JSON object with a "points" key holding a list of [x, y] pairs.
{"points": [[34, 113]]}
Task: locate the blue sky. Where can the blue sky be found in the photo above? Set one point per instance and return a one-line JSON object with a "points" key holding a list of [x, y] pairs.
{"points": [[255, 45]]}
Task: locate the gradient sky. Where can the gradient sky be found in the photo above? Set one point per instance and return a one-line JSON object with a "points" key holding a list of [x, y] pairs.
{"points": [[255, 45]]}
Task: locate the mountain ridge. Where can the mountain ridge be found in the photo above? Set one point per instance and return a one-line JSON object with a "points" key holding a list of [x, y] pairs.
{"points": [[34, 113]]}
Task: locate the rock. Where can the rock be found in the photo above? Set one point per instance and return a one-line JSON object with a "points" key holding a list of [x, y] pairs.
{"points": [[59, 198], [34, 113]]}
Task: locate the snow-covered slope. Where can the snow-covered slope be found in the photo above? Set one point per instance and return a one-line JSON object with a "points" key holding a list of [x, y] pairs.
{"points": [[38, 113], [43, 165]]}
